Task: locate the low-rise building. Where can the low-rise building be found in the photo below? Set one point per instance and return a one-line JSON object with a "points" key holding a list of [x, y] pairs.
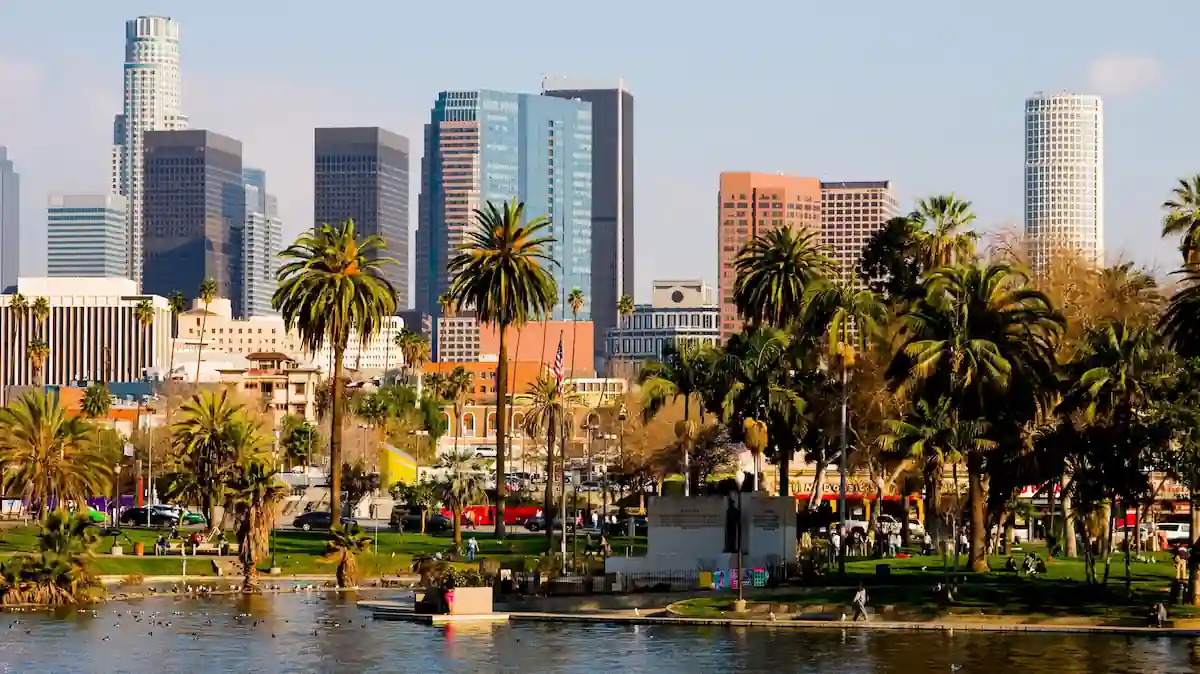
{"points": [[680, 311], [279, 384]]}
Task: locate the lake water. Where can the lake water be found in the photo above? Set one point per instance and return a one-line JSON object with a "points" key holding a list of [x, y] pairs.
{"points": [[213, 636]]}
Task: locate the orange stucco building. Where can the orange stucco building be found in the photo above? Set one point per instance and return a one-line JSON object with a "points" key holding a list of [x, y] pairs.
{"points": [[538, 343]]}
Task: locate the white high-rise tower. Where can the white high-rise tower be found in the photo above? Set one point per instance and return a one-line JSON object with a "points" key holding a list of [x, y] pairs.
{"points": [[152, 103], [1064, 176]]}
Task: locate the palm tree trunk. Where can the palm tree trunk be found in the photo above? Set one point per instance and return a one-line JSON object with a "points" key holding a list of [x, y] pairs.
{"points": [[815, 494], [978, 498], [548, 499], [200, 348], [335, 432], [785, 469], [1069, 547], [501, 432], [457, 512], [457, 423]]}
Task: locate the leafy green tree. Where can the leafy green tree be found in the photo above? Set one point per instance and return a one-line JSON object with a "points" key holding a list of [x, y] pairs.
{"points": [[891, 261], [422, 494], [502, 273], [463, 484], [300, 441], [332, 286]]}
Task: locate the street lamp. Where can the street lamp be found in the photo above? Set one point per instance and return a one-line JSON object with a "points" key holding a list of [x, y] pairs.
{"points": [[739, 478]]}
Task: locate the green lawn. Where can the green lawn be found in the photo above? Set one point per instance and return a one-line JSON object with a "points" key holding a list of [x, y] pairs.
{"points": [[907, 593], [298, 552]]}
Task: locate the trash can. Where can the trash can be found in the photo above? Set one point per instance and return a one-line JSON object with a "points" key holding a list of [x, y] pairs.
{"points": [[139, 548]]}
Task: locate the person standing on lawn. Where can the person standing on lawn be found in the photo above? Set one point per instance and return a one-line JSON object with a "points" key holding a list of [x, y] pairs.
{"points": [[472, 549]]}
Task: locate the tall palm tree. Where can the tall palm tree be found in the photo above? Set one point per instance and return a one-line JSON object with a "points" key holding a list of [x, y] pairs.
{"points": [[41, 312], [447, 304], [331, 287], [1180, 323], [625, 309], [547, 407], [984, 339], [19, 305], [143, 313], [1112, 368], [500, 272], [922, 434], [208, 292], [178, 303], [947, 240], [463, 484], [37, 351], [44, 453], [415, 350], [96, 401], [1183, 217], [203, 438], [255, 491], [679, 374], [774, 271]]}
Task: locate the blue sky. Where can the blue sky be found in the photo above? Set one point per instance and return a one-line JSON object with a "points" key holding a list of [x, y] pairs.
{"points": [[926, 93]]}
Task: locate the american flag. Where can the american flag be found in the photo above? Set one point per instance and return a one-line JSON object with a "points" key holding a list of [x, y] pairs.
{"points": [[558, 365]]}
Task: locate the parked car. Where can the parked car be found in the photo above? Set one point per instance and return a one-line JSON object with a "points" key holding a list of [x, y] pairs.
{"points": [[434, 522], [589, 485], [641, 526], [892, 525], [180, 513], [319, 519], [156, 518], [539, 524], [1177, 532]]}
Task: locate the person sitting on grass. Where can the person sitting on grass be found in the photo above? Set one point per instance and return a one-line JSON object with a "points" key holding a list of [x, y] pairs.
{"points": [[1010, 564]]}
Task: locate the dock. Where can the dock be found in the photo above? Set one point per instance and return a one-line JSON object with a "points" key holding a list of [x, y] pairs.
{"points": [[403, 611]]}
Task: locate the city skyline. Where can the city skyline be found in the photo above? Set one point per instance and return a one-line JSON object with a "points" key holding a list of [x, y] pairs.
{"points": [[976, 155]]}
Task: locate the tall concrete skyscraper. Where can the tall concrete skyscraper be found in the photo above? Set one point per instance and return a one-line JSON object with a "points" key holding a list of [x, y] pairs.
{"points": [[1064, 176], [195, 214], [262, 240], [152, 103], [490, 146], [752, 204], [612, 195], [10, 221], [850, 213], [87, 235], [361, 174]]}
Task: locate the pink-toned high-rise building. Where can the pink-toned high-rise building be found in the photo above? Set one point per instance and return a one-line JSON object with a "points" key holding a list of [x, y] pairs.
{"points": [[751, 204]]}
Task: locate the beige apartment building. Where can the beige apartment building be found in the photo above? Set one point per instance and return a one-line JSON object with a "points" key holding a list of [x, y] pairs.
{"points": [[281, 385], [751, 204], [850, 213], [225, 336]]}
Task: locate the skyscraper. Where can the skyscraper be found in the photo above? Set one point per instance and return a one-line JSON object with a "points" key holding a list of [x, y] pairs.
{"points": [[261, 242], [752, 204], [87, 235], [195, 206], [612, 195], [361, 174], [489, 146], [152, 103], [850, 213], [1064, 176], [10, 221]]}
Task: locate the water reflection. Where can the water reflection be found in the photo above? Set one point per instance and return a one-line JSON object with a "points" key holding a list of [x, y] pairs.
{"points": [[303, 633]]}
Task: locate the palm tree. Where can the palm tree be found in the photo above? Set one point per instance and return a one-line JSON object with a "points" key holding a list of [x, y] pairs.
{"points": [[202, 436], [457, 388], [333, 286], [344, 543], [679, 374], [922, 434], [499, 273], [774, 271], [463, 485], [19, 306], [415, 350], [1183, 217], [41, 312], [625, 308], [300, 442], [178, 304], [891, 261], [547, 407], [61, 573], [947, 241], [96, 401], [208, 292], [44, 453], [255, 491], [447, 304], [37, 351], [1180, 323], [984, 339]]}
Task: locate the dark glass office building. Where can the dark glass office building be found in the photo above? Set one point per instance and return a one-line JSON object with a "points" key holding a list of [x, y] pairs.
{"points": [[612, 196], [194, 214], [361, 174]]}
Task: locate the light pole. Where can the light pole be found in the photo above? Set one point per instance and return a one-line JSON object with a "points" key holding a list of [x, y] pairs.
{"points": [[739, 479], [274, 566], [842, 478], [621, 431]]}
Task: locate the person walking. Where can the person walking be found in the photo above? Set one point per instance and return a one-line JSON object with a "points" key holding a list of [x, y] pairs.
{"points": [[472, 549], [860, 603]]}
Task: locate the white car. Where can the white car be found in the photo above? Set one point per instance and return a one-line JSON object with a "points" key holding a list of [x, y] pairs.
{"points": [[1177, 532]]}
